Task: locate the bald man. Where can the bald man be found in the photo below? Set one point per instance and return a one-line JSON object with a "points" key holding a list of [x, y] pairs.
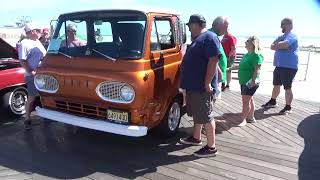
{"points": [[286, 65]]}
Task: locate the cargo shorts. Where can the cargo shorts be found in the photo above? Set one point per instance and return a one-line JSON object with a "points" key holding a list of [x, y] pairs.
{"points": [[200, 106]]}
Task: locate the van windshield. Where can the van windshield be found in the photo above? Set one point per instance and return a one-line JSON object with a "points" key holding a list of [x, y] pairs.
{"points": [[107, 35]]}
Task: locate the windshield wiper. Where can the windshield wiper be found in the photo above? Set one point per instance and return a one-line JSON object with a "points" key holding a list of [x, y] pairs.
{"points": [[66, 55], [104, 55]]}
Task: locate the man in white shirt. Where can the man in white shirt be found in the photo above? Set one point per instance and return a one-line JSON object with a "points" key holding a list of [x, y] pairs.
{"points": [[31, 51]]}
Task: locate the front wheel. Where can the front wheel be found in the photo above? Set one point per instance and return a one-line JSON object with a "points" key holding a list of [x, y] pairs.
{"points": [[15, 101], [171, 121]]}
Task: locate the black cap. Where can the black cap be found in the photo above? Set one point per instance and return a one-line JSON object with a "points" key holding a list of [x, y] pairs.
{"points": [[196, 18]]}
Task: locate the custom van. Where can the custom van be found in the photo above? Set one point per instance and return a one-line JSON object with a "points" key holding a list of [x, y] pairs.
{"points": [[115, 71]]}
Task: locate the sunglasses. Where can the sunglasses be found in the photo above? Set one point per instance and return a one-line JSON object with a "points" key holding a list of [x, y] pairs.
{"points": [[38, 30], [72, 30]]}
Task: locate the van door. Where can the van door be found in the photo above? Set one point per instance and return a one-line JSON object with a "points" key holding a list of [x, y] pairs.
{"points": [[165, 61]]}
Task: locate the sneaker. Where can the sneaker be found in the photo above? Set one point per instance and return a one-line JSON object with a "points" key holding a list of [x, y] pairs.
{"points": [[190, 141], [227, 87], [270, 104], [27, 125], [253, 120], [243, 123], [206, 151], [286, 110]]}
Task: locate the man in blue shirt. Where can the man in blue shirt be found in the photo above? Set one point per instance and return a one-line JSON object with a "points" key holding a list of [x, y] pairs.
{"points": [[198, 68], [286, 62]]}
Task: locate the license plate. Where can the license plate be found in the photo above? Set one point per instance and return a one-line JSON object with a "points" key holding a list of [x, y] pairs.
{"points": [[118, 116]]}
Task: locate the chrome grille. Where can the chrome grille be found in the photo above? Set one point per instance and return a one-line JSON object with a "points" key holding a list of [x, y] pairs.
{"points": [[51, 83], [84, 110], [110, 91]]}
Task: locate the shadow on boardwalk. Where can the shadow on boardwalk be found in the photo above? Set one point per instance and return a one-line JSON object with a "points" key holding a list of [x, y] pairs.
{"points": [[309, 161], [53, 151]]}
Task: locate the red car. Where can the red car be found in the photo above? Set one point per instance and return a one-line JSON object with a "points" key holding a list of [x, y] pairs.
{"points": [[13, 92]]}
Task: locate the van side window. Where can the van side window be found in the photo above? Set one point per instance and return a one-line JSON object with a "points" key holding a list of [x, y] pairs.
{"points": [[155, 45], [165, 33], [73, 34], [102, 32]]}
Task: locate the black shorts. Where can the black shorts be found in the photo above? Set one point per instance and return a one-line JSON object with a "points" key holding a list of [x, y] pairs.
{"points": [[246, 91], [200, 106], [284, 76]]}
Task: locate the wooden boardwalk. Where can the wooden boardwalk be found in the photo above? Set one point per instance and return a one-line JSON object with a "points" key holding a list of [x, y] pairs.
{"points": [[276, 147]]}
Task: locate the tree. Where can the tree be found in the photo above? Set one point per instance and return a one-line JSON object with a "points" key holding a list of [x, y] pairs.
{"points": [[23, 20]]}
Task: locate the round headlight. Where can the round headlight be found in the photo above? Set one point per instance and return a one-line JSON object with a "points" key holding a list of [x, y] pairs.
{"points": [[46, 83], [40, 82], [126, 93]]}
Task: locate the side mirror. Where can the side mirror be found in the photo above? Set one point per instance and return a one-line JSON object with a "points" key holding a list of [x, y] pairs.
{"points": [[53, 24], [180, 32], [184, 33]]}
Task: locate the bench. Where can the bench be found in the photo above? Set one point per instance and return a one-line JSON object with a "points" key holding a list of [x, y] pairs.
{"points": [[234, 69]]}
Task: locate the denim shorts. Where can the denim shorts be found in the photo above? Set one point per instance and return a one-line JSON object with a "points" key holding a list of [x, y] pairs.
{"points": [[32, 90], [245, 90]]}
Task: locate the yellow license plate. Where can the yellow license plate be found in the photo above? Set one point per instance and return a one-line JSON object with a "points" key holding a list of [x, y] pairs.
{"points": [[118, 116]]}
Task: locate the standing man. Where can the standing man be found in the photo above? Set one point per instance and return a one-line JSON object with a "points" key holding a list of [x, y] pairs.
{"points": [[220, 27], [197, 71], [45, 38], [286, 63], [229, 46], [31, 51]]}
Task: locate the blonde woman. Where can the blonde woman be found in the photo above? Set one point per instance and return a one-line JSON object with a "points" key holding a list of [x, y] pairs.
{"points": [[249, 70]]}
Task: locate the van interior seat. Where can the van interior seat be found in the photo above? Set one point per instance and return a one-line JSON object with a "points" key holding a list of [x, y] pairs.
{"points": [[131, 35]]}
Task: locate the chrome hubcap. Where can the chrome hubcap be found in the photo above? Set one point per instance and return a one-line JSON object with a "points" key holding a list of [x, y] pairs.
{"points": [[18, 102], [174, 116]]}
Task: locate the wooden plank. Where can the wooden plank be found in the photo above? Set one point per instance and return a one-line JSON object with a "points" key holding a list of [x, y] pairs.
{"points": [[157, 176], [195, 172], [213, 170], [231, 121], [240, 167], [260, 155], [257, 132], [102, 176], [269, 129], [252, 156], [284, 150], [20, 176], [141, 178], [175, 174], [282, 127]]}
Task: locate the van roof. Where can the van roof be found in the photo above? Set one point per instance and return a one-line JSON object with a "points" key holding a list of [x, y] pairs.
{"points": [[142, 10]]}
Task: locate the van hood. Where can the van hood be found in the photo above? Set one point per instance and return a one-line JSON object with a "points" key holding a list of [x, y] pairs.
{"points": [[7, 51]]}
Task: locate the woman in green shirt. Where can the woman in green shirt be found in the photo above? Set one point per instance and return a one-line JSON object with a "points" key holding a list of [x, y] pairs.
{"points": [[248, 74]]}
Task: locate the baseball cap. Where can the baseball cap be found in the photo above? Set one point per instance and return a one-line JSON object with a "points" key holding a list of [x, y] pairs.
{"points": [[31, 26], [196, 18]]}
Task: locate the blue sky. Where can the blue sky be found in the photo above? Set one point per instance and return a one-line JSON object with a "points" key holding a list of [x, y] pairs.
{"points": [[247, 17]]}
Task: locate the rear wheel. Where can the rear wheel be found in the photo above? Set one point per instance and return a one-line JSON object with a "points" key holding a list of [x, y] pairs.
{"points": [[171, 121], [15, 101]]}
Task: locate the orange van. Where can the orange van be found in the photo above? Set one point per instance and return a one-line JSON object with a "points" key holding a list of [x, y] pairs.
{"points": [[115, 71]]}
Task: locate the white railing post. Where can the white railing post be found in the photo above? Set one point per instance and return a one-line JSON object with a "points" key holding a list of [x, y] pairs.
{"points": [[305, 77]]}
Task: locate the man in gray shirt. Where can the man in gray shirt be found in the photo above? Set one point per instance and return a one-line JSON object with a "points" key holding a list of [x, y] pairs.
{"points": [[31, 51]]}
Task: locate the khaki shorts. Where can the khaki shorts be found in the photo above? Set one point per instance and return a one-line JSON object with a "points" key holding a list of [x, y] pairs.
{"points": [[200, 106], [230, 62]]}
